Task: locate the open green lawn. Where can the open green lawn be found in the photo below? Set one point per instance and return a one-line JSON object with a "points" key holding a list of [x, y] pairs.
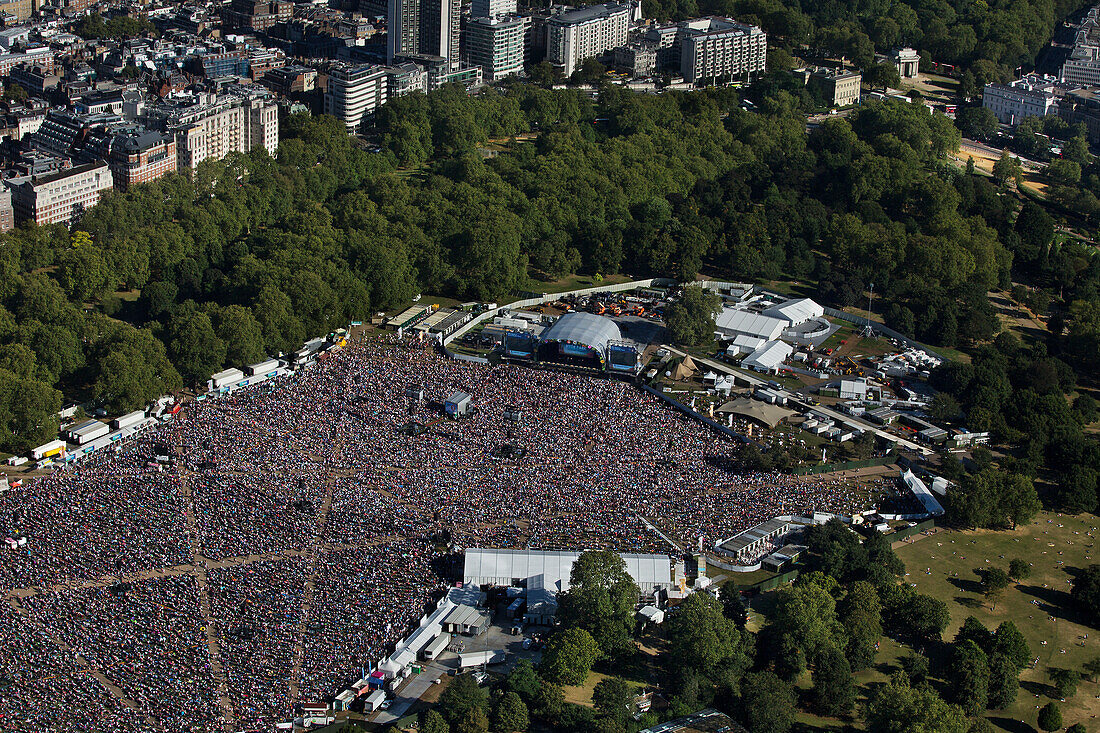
{"points": [[575, 282], [943, 565], [582, 694]]}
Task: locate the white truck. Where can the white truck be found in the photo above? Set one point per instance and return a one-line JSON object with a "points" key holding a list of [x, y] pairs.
{"points": [[478, 659]]}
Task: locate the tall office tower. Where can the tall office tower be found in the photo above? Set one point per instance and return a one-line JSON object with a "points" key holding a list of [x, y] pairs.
{"points": [[402, 28], [440, 28], [491, 8]]}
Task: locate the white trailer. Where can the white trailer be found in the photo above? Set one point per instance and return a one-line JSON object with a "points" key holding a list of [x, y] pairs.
{"points": [[436, 646], [222, 378], [477, 659], [375, 700], [87, 431], [130, 418], [261, 368]]}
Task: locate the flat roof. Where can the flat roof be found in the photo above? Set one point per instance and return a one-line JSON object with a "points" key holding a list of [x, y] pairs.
{"points": [[551, 569]]}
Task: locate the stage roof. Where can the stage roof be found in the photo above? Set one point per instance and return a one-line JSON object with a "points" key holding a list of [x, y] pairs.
{"points": [[584, 328]]}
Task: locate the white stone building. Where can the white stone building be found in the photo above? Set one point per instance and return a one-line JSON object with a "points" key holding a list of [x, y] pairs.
{"points": [[1031, 96], [355, 92], [582, 34]]}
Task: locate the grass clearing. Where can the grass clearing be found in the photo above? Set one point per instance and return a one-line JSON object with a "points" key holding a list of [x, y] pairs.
{"points": [[1057, 546], [575, 282], [582, 694]]}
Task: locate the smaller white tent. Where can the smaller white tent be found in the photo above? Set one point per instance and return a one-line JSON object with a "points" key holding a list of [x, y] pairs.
{"points": [[768, 357]]}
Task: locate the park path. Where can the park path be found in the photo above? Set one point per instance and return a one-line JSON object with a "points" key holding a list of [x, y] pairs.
{"points": [[213, 628], [112, 689], [316, 549]]}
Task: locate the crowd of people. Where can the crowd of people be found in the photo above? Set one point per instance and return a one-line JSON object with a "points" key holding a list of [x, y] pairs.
{"points": [[300, 531]]}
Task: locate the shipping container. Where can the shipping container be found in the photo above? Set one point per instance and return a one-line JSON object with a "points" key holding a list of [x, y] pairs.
{"points": [[130, 418]]}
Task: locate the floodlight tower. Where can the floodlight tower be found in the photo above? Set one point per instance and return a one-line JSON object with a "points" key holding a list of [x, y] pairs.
{"points": [[867, 330]]}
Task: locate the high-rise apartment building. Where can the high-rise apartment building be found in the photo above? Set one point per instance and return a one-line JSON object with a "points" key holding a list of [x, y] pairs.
{"points": [[355, 92], [212, 126], [581, 34], [711, 50], [423, 27], [496, 44], [492, 8]]}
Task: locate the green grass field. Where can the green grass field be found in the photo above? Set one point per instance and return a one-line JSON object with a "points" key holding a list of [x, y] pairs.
{"points": [[943, 566]]}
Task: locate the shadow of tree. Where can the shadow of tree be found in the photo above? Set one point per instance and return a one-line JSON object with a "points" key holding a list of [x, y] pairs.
{"points": [[965, 585], [1058, 603], [1012, 726], [968, 601]]}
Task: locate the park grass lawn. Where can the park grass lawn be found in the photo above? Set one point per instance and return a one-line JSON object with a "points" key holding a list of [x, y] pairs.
{"points": [[582, 694], [1056, 545], [576, 282]]}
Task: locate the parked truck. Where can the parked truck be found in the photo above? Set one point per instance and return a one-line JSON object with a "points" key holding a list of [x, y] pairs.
{"points": [[478, 659]]}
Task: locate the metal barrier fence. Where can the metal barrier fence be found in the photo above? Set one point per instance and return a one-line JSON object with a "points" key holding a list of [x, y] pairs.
{"points": [[907, 532]]}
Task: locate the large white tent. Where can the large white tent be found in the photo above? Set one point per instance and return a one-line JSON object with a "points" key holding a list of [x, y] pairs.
{"points": [[551, 569]]}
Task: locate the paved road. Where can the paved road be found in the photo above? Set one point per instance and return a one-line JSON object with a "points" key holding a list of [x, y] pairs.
{"points": [[409, 693], [758, 382]]}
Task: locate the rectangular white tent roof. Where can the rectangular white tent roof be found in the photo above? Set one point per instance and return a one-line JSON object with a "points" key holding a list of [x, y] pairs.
{"points": [[768, 356], [795, 310], [734, 322], [551, 569]]}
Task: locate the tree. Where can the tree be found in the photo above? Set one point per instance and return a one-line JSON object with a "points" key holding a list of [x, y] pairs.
{"points": [[473, 720], [701, 637], [463, 696], [523, 680], [1092, 668], [690, 319], [510, 714], [860, 612], [194, 347], [1019, 569], [1004, 682], [969, 677], [1086, 591], [601, 600], [882, 76], [130, 367], [944, 407], [1065, 681], [569, 656], [1006, 168], [977, 122], [1050, 717], [900, 707], [923, 616], [242, 334], [807, 613], [548, 701], [767, 703], [915, 666], [733, 606], [612, 697], [1011, 644], [1076, 149], [834, 691], [993, 583], [1064, 172], [432, 722]]}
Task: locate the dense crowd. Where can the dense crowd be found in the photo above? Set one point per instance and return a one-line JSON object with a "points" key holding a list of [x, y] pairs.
{"points": [[299, 532]]}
